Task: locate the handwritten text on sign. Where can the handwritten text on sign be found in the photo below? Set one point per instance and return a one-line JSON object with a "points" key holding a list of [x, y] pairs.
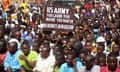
{"points": [[58, 16]]}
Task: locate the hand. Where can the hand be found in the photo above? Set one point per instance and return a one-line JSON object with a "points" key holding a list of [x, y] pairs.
{"points": [[74, 62], [22, 57]]}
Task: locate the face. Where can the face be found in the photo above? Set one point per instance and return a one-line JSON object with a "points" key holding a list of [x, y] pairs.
{"points": [[56, 50], [89, 37], [18, 35], [81, 35], [108, 38], [100, 49], [112, 63], [37, 38], [35, 46], [45, 51], [82, 57], [102, 61], [66, 50], [25, 48], [69, 59], [113, 28], [64, 42], [89, 46], [59, 59], [77, 29], [12, 47], [115, 48], [71, 41], [89, 60]]}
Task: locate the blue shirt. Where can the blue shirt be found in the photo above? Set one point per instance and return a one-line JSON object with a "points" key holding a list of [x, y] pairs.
{"points": [[12, 61], [66, 68]]}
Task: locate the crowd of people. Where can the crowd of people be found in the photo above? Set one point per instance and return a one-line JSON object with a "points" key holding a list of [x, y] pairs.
{"points": [[92, 46]]}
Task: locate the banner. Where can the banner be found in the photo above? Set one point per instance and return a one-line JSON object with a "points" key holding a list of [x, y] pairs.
{"points": [[58, 18]]}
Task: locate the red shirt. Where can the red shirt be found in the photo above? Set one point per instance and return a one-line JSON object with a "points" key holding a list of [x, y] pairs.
{"points": [[2, 57], [105, 69], [88, 5]]}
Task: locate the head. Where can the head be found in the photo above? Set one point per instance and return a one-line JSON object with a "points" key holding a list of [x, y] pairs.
{"points": [[77, 47], [70, 57], [116, 48], [66, 50], [3, 46], [101, 59], [100, 48], [89, 61], [25, 47], [12, 47], [60, 59], [45, 51], [108, 37], [100, 40], [89, 37], [46, 42], [81, 34], [23, 1], [111, 62], [38, 37], [82, 55], [18, 35], [113, 27], [35, 46], [57, 50], [77, 28], [88, 46], [71, 41]]}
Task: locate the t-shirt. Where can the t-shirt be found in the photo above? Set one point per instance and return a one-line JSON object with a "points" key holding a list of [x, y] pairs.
{"points": [[32, 56], [105, 69], [2, 57], [95, 68], [57, 69], [65, 68], [44, 64]]}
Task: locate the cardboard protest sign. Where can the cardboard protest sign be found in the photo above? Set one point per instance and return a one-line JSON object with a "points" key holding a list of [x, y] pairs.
{"points": [[58, 18]]}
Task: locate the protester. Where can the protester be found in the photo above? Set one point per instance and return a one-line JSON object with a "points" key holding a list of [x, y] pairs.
{"points": [[112, 64], [3, 53], [71, 64], [11, 63], [95, 31], [89, 65], [27, 58], [60, 59], [45, 61]]}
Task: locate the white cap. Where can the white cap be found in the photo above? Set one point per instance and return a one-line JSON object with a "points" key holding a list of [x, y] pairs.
{"points": [[35, 8], [100, 39], [14, 40]]}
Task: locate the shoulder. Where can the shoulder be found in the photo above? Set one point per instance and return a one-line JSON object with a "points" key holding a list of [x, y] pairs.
{"points": [[33, 52], [96, 68], [82, 69], [118, 70], [103, 69], [64, 65]]}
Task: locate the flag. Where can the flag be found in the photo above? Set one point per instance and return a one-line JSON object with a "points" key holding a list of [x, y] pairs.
{"points": [[5, 4]]}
